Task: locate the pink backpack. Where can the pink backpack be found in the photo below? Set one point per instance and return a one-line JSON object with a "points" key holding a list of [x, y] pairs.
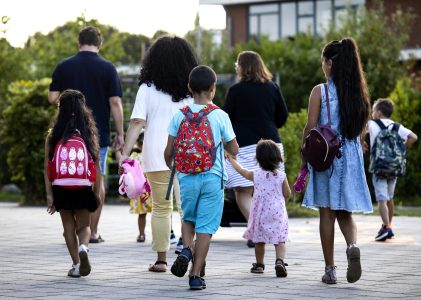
{"points": [[133, 182], [72, 166]]}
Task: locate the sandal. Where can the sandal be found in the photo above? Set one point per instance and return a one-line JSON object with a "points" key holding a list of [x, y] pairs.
{"points": [[97, 240], [156, 268], [257, 268], [280, 269], [141, 238]]}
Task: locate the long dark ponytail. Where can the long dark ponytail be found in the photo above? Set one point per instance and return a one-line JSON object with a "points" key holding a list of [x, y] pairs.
{"points": [[74, 117], [351, 86]]}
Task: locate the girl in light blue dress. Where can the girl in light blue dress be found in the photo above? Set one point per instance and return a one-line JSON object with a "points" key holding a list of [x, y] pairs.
{"points": [[342, 189]]}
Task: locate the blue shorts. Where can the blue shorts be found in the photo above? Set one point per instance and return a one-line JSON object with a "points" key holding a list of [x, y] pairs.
{"points": [[103, 153], [384, 188], [202, 201]]}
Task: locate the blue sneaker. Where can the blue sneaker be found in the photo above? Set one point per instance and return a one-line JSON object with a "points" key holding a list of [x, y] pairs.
{"points": [[196, 283], [173, 238], [179, 246], [181, 264], [384, 234]]}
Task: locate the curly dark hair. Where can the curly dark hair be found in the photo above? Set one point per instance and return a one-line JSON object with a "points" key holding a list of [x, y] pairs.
{"points": [[348, 76], [167, 65], [74, 117], [268, 155]]}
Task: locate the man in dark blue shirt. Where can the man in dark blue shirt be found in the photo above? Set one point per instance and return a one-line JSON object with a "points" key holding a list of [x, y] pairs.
{"points": [[98, 80]]}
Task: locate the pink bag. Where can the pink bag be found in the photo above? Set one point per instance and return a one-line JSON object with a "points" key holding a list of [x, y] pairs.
{"points": [[133, 182], [300, 182]]}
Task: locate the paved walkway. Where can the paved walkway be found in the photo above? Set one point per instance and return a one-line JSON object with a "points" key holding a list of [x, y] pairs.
{"points": [[34, 262]]}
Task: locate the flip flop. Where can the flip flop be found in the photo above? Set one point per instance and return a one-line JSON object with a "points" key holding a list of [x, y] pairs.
{"points": [[156, 268], [141, 238], [96, 240]]}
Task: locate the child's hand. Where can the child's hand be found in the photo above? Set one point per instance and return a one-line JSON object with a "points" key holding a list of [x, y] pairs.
{"points": [[123, 157], [51, 209]]}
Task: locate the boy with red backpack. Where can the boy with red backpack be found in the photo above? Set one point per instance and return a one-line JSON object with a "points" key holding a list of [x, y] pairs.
{"points": [[198, 134], [388, 141]]}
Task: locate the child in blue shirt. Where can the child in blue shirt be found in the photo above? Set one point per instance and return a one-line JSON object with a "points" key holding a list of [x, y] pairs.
{"points": [[202, 194]]}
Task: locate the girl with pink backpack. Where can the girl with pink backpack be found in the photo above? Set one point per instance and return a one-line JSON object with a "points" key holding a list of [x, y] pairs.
{"points": [[70, 165]]}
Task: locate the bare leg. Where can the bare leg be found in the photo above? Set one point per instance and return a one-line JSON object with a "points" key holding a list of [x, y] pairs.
{"points": [[187, 232], [243, 197], [259, 251], [391, 207], [384, 212], [347, 226], [141, 222], [280, 251], [83, 218], [327, 234], [97, 214], [69, 226], [201, 249]]}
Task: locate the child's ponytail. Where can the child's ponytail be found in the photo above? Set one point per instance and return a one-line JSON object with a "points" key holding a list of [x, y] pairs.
{"points": [[348, 76]]}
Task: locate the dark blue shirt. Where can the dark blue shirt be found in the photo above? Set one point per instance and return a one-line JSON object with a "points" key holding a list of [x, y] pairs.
{"points": [[97, 79]]}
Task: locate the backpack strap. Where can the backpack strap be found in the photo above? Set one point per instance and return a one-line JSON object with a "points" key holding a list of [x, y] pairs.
{"points": [[208, 109], [396, 127], [380, 124], [327, 104]]}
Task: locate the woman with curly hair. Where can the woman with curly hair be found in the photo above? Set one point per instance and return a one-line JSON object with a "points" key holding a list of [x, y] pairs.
{"points": [[162, 91]]}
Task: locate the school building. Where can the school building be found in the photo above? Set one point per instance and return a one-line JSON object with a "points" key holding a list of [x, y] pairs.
{"points": [[282, 19]]}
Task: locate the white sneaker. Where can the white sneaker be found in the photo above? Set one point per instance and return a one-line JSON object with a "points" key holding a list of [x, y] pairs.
{"points": [[74, 271], [85, 266]]}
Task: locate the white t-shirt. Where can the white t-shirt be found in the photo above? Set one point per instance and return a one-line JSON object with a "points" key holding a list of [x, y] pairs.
{"points": [[374, 130], [157, 109]]}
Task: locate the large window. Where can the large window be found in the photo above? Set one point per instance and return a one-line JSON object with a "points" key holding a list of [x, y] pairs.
{"points": [[286, 18]]}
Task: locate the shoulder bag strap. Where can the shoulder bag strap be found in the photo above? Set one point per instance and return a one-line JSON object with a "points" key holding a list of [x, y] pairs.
{"points": [[327, 104]]}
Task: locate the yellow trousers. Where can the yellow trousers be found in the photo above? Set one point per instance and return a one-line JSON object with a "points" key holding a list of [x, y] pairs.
{"points": [[161, 209]]}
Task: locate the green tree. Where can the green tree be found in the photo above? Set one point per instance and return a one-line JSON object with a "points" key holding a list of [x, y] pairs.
{"points": [[381, 38], [407, 99], [47, 50], [23, 131]]}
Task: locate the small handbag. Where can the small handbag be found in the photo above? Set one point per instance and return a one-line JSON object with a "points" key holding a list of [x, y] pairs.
{"points": [[322, 144]]}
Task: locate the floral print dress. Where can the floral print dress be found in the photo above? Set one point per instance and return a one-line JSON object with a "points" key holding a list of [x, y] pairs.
{"points": [[268, 220]]}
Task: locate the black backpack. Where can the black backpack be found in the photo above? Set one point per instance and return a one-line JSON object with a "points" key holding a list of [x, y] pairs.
{"points": [[388, 154]]}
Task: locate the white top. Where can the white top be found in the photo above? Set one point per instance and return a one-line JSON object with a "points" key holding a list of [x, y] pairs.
{"points": [[157, 109], [374, 130]]}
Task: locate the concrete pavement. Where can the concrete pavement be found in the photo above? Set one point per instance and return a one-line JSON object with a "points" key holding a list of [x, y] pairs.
{"points": [[34, 262]]}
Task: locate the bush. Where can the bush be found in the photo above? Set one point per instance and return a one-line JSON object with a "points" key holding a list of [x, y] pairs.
{"points": [[291, 135], [407, 99], [25, 123]]}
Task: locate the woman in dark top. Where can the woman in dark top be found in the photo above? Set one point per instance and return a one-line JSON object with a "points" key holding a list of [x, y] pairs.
{"points": [[257, 109]]}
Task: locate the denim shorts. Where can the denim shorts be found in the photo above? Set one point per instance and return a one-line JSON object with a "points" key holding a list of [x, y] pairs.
{"points": [[384, 188], [103, 153], [202, 201]]}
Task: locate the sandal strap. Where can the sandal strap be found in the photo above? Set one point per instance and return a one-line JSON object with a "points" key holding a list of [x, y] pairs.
{"points": [[281, 260], [160, 262], [258, 265]]}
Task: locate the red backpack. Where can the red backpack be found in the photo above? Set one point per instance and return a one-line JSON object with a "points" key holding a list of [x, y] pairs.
{"points": [[72, 166], [322, 144], [194, 147]]}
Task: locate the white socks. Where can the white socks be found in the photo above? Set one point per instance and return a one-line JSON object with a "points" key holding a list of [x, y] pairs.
{"points": [[83, 248]]}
